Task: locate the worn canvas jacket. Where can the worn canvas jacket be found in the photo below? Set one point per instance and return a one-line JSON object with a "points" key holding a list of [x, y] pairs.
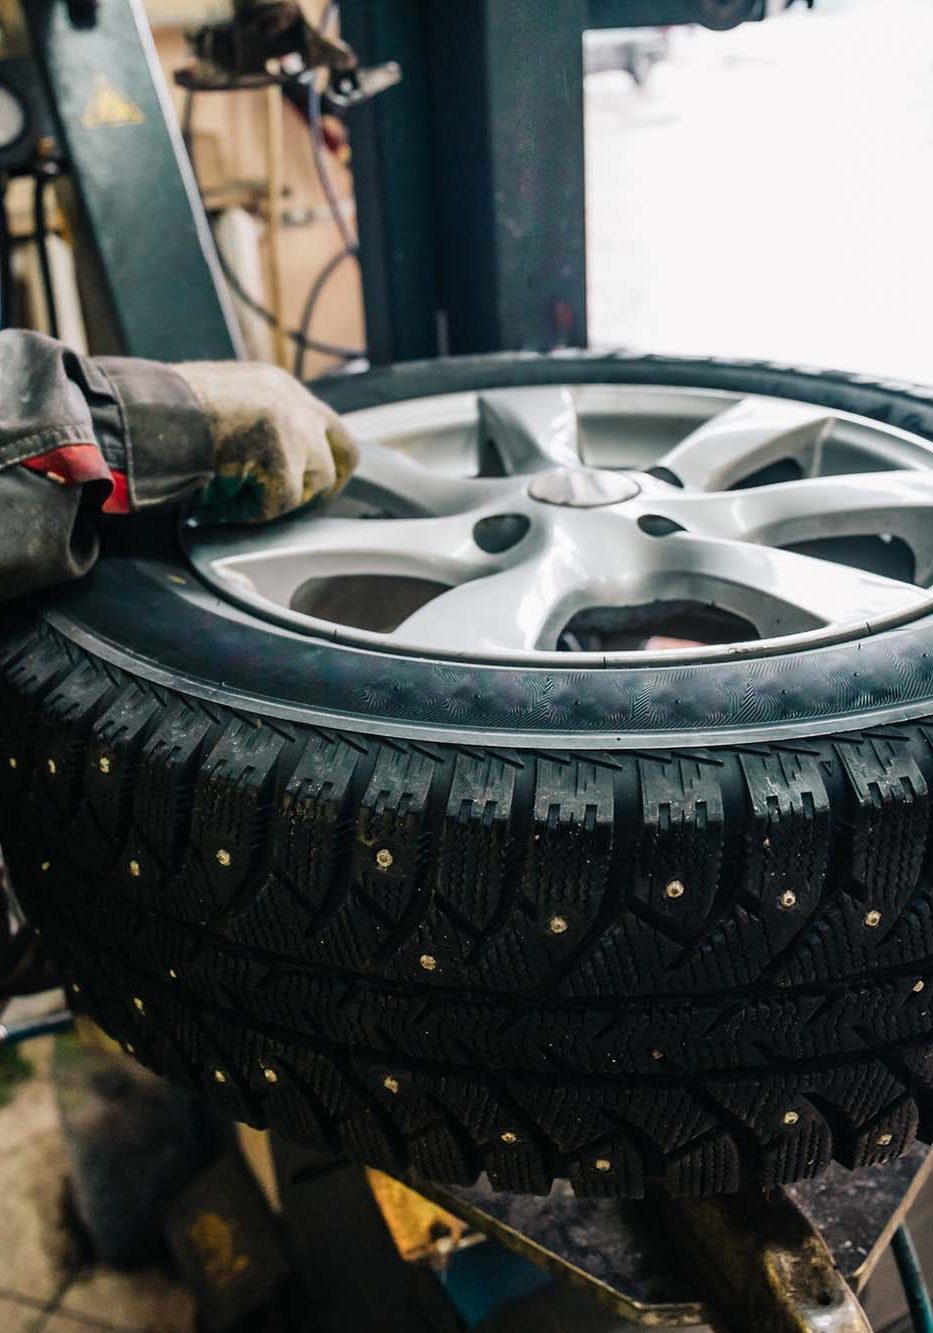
{"points": [[81, 435]]}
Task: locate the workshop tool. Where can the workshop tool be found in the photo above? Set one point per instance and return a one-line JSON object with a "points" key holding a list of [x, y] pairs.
{"points": [[266, 41], [795, 1260], [269, 42]]}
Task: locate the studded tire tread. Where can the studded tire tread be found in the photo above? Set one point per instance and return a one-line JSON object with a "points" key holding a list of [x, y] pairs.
{"points": [[458, 958], [703, 967]]}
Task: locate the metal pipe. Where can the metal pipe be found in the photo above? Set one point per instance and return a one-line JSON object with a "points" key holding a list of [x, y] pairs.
{"points": [[915, 1287], [276, 157], [42, 246], [12, 1034]]}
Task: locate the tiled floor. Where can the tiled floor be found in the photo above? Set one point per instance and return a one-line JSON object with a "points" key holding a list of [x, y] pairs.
{"points": [[44, 1288]]}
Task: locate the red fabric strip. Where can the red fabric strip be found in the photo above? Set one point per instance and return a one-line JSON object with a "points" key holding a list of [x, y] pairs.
{"points": [[76, 465], [118, 501], [71, 465]]}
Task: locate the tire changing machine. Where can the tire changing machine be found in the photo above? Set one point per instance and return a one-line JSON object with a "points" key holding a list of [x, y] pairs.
{"points": [[444, 270]]}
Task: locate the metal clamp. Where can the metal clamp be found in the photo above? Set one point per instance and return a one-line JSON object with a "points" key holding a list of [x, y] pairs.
{"points": [[270, 42]]}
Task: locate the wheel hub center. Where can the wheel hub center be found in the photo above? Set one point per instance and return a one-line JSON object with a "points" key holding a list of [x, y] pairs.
{"points": [[583, 488]]}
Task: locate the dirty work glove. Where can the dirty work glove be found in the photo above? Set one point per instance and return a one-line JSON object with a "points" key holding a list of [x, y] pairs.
{"points": [[79, 434], [275, 446]]}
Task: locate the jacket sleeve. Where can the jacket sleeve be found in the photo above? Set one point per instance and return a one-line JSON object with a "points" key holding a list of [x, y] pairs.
{"points": [[79, 435]]}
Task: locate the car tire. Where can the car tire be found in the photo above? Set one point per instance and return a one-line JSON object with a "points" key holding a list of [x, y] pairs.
{"points": [[631, 926]]}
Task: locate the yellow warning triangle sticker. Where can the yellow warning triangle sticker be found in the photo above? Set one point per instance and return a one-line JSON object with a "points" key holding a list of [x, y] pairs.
{"points": [[108, 107]]}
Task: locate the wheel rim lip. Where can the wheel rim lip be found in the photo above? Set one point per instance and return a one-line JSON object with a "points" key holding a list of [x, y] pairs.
{"points": [[406, 419]]}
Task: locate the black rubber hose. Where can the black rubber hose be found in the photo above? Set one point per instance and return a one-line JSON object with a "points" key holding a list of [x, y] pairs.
{"points": [[303, 341], [299, 337], [27, 1029], [7, 301], [319, 149], [42, 246], [350, 246], [914, 1283]]}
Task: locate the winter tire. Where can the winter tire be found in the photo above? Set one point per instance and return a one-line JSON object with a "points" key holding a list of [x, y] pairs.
{"points": [[559, 906]]}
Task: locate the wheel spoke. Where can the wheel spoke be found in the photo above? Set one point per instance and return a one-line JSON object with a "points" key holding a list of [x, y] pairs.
{"points": [[863, 504], [780, 592], [528, 430], [275, 562], [405, 486], [523, 607], [746, 437]]}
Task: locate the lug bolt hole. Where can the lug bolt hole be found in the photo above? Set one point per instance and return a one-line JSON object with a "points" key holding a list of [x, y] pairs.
{"points": [[656, 525], [500, 532]]}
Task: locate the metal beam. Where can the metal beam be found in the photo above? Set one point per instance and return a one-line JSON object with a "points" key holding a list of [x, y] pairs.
{"points": [[652, 13], [146, 256], [470, 176], [394, 183], [508, 123]]}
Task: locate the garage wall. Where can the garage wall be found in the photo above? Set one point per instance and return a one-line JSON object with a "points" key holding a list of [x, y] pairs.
{"points": [[230, 155]]}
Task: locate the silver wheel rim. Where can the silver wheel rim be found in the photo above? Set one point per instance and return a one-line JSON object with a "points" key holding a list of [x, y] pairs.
{"points": [[612, 502]]}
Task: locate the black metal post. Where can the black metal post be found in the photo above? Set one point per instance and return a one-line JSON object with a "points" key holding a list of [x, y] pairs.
{"points": [[470, 175], [393, 174]]}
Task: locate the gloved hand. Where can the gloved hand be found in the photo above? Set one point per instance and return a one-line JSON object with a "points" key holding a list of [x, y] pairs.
{"points": [[124, 434], [275, 446]]}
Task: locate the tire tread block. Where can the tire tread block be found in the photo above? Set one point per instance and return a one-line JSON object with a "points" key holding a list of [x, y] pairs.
{"points": [[511, 986]]}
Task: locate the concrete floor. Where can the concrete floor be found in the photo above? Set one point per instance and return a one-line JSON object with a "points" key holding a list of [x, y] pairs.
{"points": [[44, 1286], [770, 192]]}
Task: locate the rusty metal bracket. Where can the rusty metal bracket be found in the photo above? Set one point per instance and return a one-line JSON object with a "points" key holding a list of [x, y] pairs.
{"points": [[762, 1264], [793, 1260]]}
